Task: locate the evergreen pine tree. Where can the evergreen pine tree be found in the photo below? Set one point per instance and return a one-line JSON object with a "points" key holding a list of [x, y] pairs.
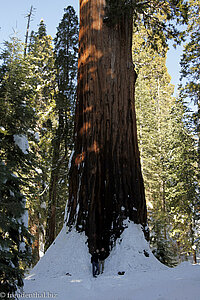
{"points": [[153, 106], [167, 152], [190, 70], [41, 59], [66, 48], [182, 186], [16, 117], [190, 91]]}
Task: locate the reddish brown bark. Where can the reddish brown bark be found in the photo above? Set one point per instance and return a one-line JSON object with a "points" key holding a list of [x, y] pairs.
{"points": [[194, 256], [34, 230], [106, 184]]}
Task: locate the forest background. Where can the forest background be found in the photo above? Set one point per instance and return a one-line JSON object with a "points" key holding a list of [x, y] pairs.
{"points": [[37, 94]]}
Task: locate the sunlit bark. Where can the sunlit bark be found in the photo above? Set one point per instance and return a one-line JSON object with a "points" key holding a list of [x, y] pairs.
{"points": [[106, 184]]}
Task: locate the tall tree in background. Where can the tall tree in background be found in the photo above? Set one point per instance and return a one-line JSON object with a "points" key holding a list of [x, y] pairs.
{"points": [[190, 90], [106, 184], [29, 16], [190, 65], [182, 184], [41, 59], [167, 154], [16, 118], [154, 103], [66, 56]]}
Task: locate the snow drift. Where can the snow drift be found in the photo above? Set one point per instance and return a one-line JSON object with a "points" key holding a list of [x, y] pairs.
{"points": [[69, 254], [65, 272], [132, 252]]}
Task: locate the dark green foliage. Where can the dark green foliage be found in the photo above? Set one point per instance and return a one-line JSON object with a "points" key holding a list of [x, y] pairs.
{"points": [[66, 58], [66, 64], [41, 30], [37, 100], [190, 65], [167, 148], [14, 91], [190, 91], [15, 251], [163, 247], [16, 118], [41, 59], [190, 62], [158, 17]]}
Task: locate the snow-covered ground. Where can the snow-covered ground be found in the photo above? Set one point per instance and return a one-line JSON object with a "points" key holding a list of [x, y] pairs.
{"points": [[65, 272]]}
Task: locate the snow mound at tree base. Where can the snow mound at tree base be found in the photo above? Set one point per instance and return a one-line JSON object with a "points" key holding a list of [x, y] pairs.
{"points": [[65, 272], [69, 255], [132, 252]]}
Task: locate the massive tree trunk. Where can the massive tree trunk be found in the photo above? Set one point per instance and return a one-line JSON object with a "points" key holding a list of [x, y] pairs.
{"points": [[106, 184]]}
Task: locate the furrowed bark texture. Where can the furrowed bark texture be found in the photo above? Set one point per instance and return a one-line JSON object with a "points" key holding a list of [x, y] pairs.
{"points": [[106, 184]]}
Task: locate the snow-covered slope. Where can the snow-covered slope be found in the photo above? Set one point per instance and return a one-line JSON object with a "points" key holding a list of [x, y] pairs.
{"points": [[132, 253], [64, 272], [68, 254]]}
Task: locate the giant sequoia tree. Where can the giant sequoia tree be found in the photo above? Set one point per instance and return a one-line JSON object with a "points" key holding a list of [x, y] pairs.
{"points": [[106, 184]]}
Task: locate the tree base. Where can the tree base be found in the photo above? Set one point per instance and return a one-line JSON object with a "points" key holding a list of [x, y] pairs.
{"points": [[70, 254]]}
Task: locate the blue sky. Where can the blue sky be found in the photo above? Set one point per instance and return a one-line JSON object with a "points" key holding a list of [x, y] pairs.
{"points": [[13, 12], [173, 64], [12, 19]]}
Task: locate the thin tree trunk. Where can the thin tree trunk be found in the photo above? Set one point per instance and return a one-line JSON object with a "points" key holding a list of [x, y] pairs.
{"points": [[57, 161], [106, 184], [27, 29], [34, 230], [194, 256]]}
